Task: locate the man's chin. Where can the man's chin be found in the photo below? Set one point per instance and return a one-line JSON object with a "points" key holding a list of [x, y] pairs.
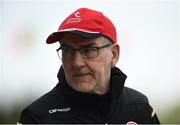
{"points": [[83, 87]]}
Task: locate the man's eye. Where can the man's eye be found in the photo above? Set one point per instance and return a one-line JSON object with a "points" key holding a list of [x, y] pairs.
{"points": [[90, 50]]}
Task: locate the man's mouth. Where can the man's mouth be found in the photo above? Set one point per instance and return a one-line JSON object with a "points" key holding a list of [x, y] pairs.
{"points": [[81, 75], [81, 72]]}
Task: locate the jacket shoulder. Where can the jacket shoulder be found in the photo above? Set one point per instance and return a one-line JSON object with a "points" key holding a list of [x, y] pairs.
{"points": [[135, 107], [130, 95], [45, 103]]}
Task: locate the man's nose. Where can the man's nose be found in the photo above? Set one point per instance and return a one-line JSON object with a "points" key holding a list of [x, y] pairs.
{"points": [[78, 60]]}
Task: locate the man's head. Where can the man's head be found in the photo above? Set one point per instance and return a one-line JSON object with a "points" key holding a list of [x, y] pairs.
{"points": [[86, 23], [88, 50]]}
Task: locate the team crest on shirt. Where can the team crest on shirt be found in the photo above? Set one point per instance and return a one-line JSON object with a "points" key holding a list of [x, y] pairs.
{"points": [[131, 123]]}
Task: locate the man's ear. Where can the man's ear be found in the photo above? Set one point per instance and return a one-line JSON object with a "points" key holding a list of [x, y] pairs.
{"points": [[115, 52]]}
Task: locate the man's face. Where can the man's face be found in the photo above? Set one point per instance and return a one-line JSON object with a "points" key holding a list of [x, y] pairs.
{"points": [[88, 75]]}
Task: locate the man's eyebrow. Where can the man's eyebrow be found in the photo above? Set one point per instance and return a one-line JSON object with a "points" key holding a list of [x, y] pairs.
{"points": [[88, 45]]}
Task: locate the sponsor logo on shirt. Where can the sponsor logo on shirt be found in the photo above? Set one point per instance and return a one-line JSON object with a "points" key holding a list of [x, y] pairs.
{"points": [[59, 110]]}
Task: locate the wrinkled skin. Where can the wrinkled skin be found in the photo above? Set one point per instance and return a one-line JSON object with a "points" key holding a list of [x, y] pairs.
{"points": [[89, 75]]}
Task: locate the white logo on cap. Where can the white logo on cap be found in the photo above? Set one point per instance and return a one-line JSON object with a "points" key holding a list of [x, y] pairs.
{"points": [[77, 14], [75, 19]]}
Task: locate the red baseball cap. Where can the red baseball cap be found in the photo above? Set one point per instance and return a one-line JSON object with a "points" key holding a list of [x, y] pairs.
{"points": [[86, 23]]}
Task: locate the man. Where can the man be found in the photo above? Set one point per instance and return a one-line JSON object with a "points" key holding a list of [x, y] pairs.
{"points": [[91, 88]]}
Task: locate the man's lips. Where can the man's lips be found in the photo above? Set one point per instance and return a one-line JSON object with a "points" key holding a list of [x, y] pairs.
{"points": [[81, 75], [81, 72]]}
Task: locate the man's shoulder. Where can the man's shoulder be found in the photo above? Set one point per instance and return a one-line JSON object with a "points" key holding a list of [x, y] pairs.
{"points": [[130, 95], [47, 102]]}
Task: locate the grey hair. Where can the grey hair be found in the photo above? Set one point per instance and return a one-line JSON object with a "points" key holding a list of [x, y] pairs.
{"points": [[104, 38], [109, 41]]}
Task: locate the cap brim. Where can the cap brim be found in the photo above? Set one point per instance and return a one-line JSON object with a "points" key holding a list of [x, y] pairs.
{"points": [[56, 36]]}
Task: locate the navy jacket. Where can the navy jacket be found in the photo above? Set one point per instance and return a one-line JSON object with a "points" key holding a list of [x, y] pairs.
{"points": [[64, 105]]}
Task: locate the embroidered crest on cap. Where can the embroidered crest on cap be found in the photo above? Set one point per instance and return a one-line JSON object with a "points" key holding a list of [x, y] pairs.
{"points": [[75, 19]]}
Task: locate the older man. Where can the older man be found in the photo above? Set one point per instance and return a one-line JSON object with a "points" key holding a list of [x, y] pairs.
{"points": [[91, 88]]}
